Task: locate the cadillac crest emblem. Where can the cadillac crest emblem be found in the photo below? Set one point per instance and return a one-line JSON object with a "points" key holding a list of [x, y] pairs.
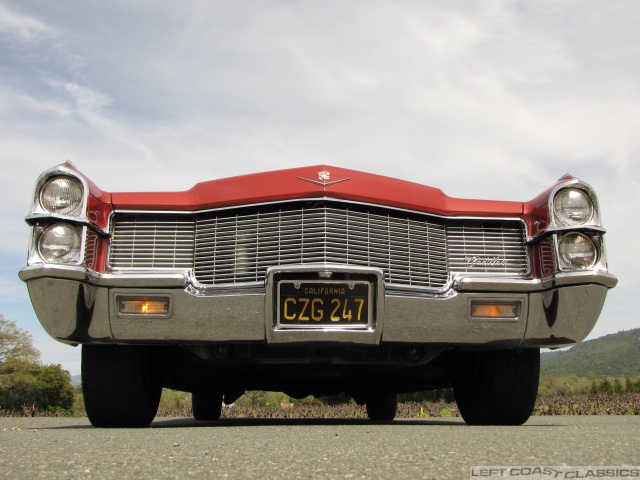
{"points": [[324, 179]]}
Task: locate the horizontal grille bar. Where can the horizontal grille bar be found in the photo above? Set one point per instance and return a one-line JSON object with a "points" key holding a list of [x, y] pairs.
{"points": [[237, 247]]}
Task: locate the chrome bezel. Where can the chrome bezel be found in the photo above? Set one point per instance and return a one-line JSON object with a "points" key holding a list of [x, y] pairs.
{"points": [[556, 225], [558, 215], [53, 179], [37, 212], [36, 258], [596, 241]]}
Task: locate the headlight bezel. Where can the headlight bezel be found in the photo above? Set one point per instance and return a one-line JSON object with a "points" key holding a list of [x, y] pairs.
{"points": [[556, 223], [38, 211], [73, 255], [65, 210], [567, 264], [36, 256], [40, 218], [563, 213], [590, 227]]}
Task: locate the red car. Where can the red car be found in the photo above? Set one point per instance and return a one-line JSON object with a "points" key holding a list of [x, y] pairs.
{"points": [[312, 281]]}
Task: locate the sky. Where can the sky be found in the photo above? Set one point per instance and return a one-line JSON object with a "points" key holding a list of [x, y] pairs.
{"points": [[482, 99]]}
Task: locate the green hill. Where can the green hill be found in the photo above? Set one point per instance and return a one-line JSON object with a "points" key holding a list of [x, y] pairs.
{"points": [[615, 355]]}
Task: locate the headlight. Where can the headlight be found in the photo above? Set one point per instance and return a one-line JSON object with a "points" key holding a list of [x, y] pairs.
{"points": [[59, 243], [61, 195], [577, 251], [573, 206]]}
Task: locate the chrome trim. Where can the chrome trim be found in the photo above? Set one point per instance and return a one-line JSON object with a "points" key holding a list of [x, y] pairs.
{"points": [[81, 274], [244, 290], [580, 228], [317, 199], [183, 280], [471, 284]]}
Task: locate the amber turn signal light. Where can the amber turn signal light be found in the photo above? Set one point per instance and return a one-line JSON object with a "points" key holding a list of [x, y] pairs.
{"points": [[144, 306], [486, 309]]}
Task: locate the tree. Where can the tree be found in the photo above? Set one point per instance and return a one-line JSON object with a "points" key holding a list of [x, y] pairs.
{"points": [[24, 381], [15, 343], [30, 385]]}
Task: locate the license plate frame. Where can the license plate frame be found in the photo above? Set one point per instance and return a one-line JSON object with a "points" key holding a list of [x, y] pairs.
{"points": [[317, 304]]}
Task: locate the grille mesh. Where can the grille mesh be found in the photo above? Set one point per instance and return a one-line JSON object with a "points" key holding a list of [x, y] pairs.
{"points": [[152, 241], [240, 248], [236, 247], [495, 247]]}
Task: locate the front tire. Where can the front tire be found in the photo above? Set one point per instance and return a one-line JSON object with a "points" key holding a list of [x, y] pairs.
{"points": [[499, 387], [206, 406], [120, 385], [382, 407]]}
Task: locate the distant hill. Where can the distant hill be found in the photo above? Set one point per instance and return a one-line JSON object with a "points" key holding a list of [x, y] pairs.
{"points": [[615, 355], [550, 354]]}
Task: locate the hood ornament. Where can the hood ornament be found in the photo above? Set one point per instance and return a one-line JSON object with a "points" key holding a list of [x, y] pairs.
{"points": [[324, 179]]}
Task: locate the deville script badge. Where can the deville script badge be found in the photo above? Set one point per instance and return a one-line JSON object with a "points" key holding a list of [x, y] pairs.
{"points": [[324, 179]]}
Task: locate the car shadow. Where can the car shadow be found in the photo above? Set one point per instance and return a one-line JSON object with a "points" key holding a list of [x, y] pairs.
{"points": [[188, 422], [273, 422]]}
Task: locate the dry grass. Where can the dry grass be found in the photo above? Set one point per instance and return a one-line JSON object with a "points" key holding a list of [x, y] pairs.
{"points": [[600, 404]]}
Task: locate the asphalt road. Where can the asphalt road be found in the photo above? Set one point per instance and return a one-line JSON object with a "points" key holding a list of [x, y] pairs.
{"points": [[301, 449]]}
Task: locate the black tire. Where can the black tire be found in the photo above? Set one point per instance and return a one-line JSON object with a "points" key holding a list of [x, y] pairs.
{"points": [[382, 407], [499, 388], [206, 406], [120, 385]]}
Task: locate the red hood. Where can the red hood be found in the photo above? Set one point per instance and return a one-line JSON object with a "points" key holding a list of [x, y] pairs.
{"points": [[305, 182]]}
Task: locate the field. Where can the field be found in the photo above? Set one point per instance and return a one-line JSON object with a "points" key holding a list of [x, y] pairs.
{"points": [[600, 404], [557, 395]]}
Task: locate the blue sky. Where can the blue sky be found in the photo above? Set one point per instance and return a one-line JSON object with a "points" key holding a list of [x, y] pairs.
{"points": [[483, 99]]}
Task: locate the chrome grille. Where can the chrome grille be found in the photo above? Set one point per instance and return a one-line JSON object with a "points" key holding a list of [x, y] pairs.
{"points": [[487, 247], [239, 248], [234, 247], [152, 242]]}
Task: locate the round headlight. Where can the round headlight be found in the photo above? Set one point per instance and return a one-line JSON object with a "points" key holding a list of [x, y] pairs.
{"points": [[573, 206], [59, 243], [61, 195], [577, 251]]}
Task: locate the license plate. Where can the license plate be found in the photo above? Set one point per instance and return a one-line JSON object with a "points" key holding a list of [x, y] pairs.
{"points": [[324, 304]]}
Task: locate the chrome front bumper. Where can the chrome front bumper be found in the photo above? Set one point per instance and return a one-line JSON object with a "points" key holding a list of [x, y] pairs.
{"points": [[75, 306]]}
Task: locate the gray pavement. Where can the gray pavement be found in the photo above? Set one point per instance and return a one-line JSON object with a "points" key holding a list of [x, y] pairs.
{"points": [[300, 449]]}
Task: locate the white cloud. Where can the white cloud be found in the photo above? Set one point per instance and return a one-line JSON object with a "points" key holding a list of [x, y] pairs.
{"points": [[22, 27], [489, 99]]}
